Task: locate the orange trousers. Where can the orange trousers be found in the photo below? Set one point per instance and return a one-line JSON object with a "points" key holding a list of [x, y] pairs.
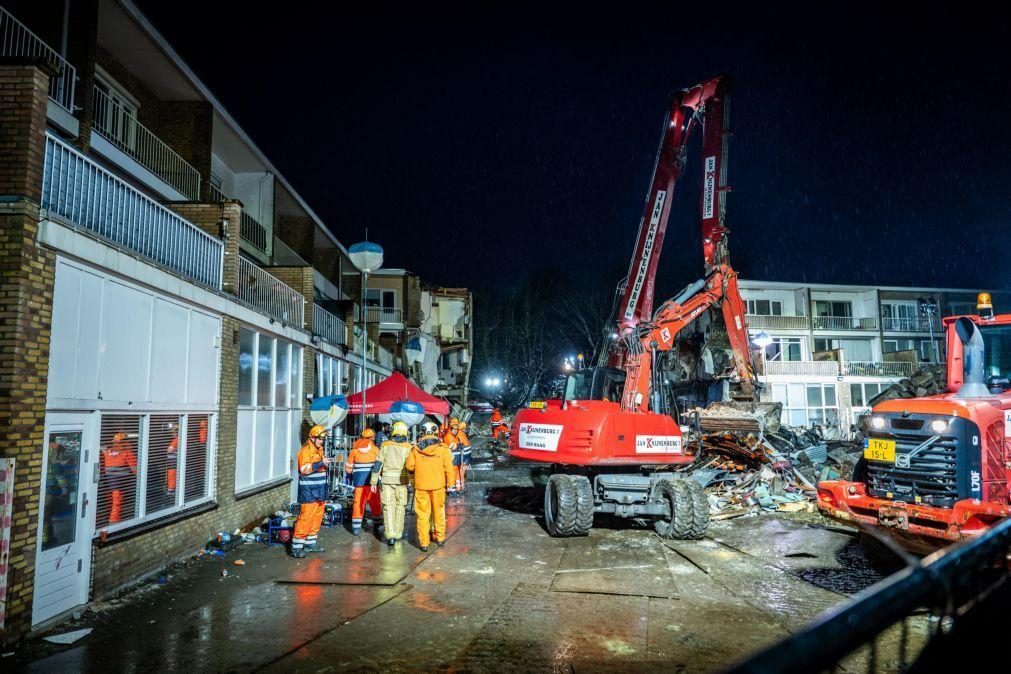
{"points": [[170, 478], [366, 494], [429, 505], [310, 517], [116, 511], [499, 430]]}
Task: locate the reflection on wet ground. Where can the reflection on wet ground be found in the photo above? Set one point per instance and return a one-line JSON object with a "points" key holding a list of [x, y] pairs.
{"points": [[501, 595]]}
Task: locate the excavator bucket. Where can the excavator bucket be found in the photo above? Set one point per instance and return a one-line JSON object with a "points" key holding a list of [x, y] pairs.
{"points": [[740, 417]]}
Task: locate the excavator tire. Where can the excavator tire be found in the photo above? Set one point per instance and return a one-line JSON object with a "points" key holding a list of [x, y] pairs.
{"points": [[584, 505], [561, 506], [700, 510], [678, 523]]}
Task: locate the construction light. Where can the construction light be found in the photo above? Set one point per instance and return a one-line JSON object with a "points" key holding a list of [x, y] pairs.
{"points": [[984, 305], [496, 381], [939, 425], [487, 381], [762, 340], [878, 423]]}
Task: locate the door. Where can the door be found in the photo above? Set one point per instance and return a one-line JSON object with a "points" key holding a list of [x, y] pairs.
{"points": [[63, 553]]}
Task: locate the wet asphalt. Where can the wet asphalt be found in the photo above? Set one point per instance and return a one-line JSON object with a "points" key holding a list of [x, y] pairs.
{"points": [[501, 595]]}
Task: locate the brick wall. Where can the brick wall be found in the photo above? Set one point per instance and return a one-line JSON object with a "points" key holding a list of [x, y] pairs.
{"points": [[209, 217], [296, 233], [27, 276], [186, 127]]}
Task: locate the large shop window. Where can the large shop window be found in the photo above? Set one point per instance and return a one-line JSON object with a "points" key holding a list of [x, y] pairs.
{"points": [[144, 462], [807, 405], [330, 373], [270, 409]]}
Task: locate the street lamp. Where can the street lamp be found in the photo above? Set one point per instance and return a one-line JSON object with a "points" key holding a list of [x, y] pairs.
{"points": [[928, 308], [367, 257]]}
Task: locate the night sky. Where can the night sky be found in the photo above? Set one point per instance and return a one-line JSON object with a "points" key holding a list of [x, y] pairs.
{"points": [[484, 143]]}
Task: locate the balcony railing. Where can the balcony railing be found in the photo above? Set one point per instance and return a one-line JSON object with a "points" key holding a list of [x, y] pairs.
{"points": [[262, 290], [253, 232], [844, 323], [384, 315], [802, 367], [910, 324], [869, 369], [329, 327], [17, 40], [777, 322], [87, 195], [121, 128]]}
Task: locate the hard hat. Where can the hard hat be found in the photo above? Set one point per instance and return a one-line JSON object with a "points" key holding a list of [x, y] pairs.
{"points": [[429, 428], [368, 433], [119, 437], [316, 431], [454, 422], [463, 425], [399, 428]]}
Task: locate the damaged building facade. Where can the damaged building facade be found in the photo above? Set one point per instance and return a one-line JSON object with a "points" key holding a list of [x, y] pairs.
{"points": [[831, 348], [169, 305]]}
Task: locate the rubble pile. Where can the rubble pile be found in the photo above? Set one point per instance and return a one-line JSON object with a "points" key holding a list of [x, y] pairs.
{"points": [[740, 417], [746, 473], [926, 381]]}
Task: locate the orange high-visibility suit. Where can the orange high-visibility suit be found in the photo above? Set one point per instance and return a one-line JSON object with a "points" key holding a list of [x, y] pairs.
{"points": [[119, 473], [498, 424], [172, 463], [432, 465], [452, 442], [465, 455], [312, 493], [361, 459]]}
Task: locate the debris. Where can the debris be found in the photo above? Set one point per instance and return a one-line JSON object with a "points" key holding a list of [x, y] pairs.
{"points": [[68, 637], [740, 417], [239, 562]]}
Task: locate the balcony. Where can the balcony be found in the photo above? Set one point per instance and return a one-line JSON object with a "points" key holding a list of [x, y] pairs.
{"points": [[328, 327], [263, 291], [910, 325], [17, 40], [384, 315], [869, 369], [126, 134], [802, 367], [251, 231], [777, 322], [843, 323], [88, 196]]}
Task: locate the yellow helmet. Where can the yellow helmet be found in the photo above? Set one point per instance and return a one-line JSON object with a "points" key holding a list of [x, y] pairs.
{"points": [[399, 429], [316, 431], [454, 422], [368, 433]]}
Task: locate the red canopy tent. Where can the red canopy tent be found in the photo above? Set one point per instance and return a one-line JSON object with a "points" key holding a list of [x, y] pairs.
{"points": [[396, 387]]}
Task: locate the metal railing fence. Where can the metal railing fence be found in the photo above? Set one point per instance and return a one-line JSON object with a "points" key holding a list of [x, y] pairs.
{"points": [[262, 290], [17, 40]]}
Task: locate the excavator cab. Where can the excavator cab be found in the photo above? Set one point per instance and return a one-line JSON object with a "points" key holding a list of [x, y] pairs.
{"points": [[595, 383]]}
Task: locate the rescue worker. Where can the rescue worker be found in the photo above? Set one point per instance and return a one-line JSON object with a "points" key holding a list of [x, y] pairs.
{"points": [[432, 465], [391, 469], [119, 472], [498, 424], [361, 460], [461, 433], [312, 492], [172, 465], [450, 439]]}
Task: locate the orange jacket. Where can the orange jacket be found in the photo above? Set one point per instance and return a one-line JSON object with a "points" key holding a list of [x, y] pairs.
{"points": [[450, 439], [312, 477], [431, 463], [361, 459], [496, 418]]}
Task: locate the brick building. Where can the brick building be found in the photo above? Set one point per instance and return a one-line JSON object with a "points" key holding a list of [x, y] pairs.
{"points": [[168, 304]]}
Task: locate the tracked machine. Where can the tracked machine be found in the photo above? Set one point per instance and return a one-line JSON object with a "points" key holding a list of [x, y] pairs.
{"points": [[615, 440]]}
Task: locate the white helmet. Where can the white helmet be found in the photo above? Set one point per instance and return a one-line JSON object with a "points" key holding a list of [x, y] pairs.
{"points": [[429, 428]]}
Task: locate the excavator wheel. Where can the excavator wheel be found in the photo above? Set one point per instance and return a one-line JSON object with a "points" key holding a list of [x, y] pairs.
{"points": [[678, 521], [561, 506], [584, 505], [700, 510]]}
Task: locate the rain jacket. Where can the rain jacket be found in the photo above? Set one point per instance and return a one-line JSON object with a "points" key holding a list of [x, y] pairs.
{"points": [[361, 460], [311, 474], [431, 463], [464, 446], [391, 463], [451, 440]]}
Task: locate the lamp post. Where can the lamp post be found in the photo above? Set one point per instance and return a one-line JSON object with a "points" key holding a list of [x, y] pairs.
{"points": [[763, 340], [928, 308], [367, 257]]}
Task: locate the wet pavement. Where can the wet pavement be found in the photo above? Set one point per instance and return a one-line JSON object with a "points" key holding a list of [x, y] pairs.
{"points": [[501, 595]]}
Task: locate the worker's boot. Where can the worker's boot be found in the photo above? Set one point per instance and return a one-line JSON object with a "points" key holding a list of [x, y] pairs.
{"points": [[356, 531], [298, 553], [315, 547], [391, 542]]}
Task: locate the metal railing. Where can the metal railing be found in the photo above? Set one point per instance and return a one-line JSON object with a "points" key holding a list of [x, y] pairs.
{"points": [[121, 128], [777, 322], [910, 324], [329, 327], [17, 40], [214, 194], [808, 367], [871, 369], [262, 290], [87, 195], [384, 315], [844, 323], [252, 231]]}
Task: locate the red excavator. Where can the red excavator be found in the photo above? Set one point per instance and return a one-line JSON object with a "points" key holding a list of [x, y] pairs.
{"points": [[615, 438]]}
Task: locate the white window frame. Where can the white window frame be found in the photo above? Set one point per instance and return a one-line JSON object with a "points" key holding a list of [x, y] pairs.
{"points": [[127, 104], [775, 307], [143, 455]]}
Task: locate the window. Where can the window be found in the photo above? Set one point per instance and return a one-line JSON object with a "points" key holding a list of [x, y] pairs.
{"points": [[171, 453], [895, 345], [861, 394], [859, 350], [785, 348], [267, 426], [115, 113], [928, 351], [807, 404], [900, 316], [329, 376], [765, 307], [827, 308]]}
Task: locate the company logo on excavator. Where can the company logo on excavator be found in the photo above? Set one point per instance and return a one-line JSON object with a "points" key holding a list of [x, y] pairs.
{"points": [[646, 255], [709, 188]]}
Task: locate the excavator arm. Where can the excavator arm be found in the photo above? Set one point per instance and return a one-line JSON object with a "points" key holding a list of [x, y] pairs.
{"points": [[718, 289]]}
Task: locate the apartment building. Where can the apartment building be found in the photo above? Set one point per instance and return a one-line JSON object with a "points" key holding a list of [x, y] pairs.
{"points": [[168, 304], [831, 348], [447, 315]]}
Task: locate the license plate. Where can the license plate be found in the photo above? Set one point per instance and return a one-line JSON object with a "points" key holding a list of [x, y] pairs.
{"points": [[537, 405], [880, 450]]}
